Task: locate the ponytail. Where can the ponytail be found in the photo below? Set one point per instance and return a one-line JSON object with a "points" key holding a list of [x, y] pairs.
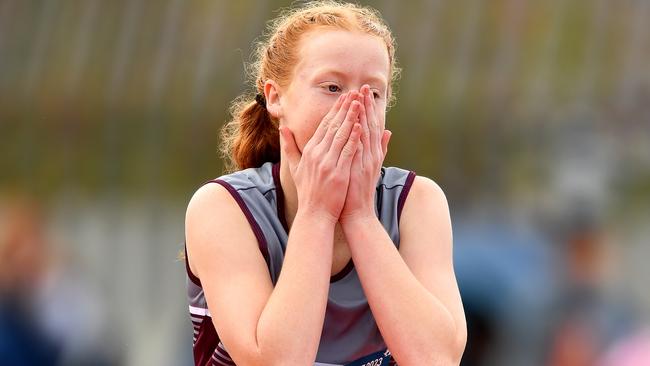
{"points": [[251, 138]]}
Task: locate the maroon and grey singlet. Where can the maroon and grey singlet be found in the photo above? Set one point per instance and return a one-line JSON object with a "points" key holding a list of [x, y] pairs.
{"points": [[350, 335]]}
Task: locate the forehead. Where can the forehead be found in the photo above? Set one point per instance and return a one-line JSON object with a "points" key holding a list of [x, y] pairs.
{"points": [[344, 51]]}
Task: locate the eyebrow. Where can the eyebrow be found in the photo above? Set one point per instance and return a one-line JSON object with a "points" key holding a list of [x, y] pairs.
{"points": [[375, 78]]}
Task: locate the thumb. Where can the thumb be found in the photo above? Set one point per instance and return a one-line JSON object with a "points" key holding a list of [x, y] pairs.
{"points": [[289, 147], [385, 138]]}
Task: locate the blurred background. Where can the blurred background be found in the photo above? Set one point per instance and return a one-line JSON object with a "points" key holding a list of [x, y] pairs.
{"points": [[533, 116]]}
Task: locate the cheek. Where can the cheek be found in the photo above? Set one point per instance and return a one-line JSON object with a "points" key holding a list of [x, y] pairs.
{"points": [[309, 126], [307, 122]]}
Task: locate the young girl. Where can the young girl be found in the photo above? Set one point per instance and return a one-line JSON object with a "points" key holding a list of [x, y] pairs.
{"points": [[312, 251]]}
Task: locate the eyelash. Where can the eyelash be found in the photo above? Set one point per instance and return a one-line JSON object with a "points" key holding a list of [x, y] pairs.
{"points": [[334, 85]]}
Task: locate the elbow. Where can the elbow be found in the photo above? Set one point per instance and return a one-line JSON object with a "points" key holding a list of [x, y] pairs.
{"points": [[454, 350], [282, 358], [448, 355], [457, 348], [460, 342], [455, 355], [286, 361], [456, 345]]}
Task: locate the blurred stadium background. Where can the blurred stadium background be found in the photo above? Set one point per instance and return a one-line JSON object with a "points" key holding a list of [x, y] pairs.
{"points": [[533, 116]]}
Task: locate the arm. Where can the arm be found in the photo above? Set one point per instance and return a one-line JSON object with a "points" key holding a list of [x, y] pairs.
{"points": [[412, 293], [259, 324]]}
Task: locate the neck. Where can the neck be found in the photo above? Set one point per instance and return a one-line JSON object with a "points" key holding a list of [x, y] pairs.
{"points": [[289, 190]]}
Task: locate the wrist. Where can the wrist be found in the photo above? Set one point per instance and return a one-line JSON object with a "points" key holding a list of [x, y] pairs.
{"points": [[315, 216], [358, 219]]}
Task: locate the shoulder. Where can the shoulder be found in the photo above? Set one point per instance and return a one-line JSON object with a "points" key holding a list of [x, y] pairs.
{"points": [[425, 188], [216, 228], [213, 213], [211, 206], [208, 197], [426, 202]]}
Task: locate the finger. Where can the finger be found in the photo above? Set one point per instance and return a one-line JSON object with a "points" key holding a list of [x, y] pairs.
{"points": [[374, 132], [336, 122], [381, 127], [344, 131], [384, 142], [358, 159], [347, 153], [322, 126], [365, 132], [289, 147], [370, 105]]}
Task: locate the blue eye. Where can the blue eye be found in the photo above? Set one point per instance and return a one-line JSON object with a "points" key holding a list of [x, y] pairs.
{"points": [[333, 88]]}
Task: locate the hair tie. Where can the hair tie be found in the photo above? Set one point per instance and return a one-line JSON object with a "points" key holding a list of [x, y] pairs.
{"points": [[259, 98]]}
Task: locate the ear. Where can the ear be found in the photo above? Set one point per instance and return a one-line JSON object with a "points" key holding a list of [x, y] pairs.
{"points": [[272, 94]]}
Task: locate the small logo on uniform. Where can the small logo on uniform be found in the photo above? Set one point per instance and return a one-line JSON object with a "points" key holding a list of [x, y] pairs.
{"points": [[387, 353]]}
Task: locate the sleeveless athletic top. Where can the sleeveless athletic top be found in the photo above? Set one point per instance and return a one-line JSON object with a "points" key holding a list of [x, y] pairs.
{"points": [[350, 335]]}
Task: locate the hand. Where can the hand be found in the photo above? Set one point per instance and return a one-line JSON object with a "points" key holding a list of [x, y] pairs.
{"points": [[367, 161], [322, 172]]}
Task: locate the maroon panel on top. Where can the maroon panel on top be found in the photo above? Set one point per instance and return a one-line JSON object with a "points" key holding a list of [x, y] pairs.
{"points": [[404, 194]]}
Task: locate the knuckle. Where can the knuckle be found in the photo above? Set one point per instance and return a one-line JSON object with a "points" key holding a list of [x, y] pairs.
{"points": [[325, 166], [340, 138], [338, 180], [348, 149]]}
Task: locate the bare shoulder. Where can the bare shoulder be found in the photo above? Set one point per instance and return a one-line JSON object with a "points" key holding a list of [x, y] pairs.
{"points": [[425, 195], [210, 205], [213, 223], [425, 215], [209, 198]]}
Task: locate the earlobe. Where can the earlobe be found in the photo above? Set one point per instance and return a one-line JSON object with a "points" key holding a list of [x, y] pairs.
{"points": [[272, 95]]}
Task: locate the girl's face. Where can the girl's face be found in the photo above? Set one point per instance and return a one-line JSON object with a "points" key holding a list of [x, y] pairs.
{"points": [[332, 62]]}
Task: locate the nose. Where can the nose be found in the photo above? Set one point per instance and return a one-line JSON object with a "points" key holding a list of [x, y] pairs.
{"points": [[364, 90]]}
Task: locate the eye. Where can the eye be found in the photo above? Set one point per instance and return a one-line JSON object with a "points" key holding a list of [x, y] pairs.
{"points": [[376, 94], [333, 88]]}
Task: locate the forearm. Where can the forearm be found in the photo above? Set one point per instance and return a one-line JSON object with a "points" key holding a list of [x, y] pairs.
{"points": [[291, 323], [415, 325]]}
